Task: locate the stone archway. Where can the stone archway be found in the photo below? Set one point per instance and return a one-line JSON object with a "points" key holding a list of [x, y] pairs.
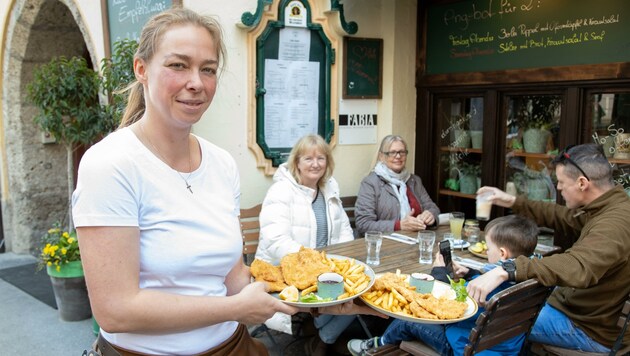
{"points": [[36, 191]]}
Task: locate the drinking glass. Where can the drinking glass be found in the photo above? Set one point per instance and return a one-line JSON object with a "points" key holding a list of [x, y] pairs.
{"points": [[426, 240], [448, 236], [457, 222], [373, 241], [484, 206]]}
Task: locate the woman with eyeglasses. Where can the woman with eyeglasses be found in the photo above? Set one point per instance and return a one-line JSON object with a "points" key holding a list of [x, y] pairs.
{"points": [[390, 197], [303, 208]]}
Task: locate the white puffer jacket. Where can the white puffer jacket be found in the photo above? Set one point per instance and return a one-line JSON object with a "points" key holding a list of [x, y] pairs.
{"points": [[287, 220]]}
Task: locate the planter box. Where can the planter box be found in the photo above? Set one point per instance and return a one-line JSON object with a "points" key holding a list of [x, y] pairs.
{"points": [[70, 291]]}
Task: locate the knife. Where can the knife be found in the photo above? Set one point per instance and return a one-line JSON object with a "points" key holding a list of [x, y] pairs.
{"points": [[401, 238], [467, 262]]}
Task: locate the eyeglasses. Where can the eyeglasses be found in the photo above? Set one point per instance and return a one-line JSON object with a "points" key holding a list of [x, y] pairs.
{"points": [[564, 156], [310, 159], [396, 153]]}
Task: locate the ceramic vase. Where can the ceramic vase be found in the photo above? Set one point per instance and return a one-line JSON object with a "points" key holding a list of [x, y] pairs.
{"points": [[535, 140], [468, 184], [537, 189], [462, 139], [476, 138]]}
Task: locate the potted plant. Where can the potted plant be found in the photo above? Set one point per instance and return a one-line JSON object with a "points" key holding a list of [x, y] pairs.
{"points": [[116, 74], [537, 115], [66, 92], [61, 257]]}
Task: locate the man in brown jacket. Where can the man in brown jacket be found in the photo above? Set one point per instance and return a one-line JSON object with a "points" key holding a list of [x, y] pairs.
{"points": [[592, 275]]}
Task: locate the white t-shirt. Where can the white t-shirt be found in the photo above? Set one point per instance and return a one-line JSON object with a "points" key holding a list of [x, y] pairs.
{"points": [[188, 242]]}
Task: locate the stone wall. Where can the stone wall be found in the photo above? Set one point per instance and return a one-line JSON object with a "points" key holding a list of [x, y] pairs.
{"points": [[37, 172]]}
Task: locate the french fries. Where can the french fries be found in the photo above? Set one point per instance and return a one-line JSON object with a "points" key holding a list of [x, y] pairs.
{"points": [[355, 280], [389, 299], [393, 294], [308, 290]]}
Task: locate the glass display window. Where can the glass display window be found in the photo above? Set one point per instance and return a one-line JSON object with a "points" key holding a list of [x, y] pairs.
{"points": [[609, 116], [460, 147], [532, 131]]}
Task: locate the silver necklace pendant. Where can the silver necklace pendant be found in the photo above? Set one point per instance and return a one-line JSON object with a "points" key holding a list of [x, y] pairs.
{"points": [[188, 186]]}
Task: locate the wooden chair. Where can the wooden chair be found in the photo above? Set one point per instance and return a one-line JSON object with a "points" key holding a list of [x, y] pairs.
{"points": [[618, 347], [250, 230], [508, 313], [348, 205]]}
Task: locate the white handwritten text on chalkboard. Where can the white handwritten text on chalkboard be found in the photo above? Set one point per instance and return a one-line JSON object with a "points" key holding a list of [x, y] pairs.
{"points": [[477, 35]]}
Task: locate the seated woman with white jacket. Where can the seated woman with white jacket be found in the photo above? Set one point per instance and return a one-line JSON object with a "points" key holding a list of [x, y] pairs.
{"points": [[303, 208]]}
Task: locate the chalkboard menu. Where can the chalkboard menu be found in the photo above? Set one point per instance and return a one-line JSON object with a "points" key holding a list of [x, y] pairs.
{"points": [[362, 68], [125, 18], [486, 35]]}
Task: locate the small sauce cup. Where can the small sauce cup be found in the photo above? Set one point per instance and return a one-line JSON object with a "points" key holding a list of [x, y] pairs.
{"points": [[330, 285], [422, 281]]}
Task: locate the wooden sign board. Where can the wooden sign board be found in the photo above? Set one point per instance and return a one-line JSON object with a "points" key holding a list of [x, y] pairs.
{"points": [[482, 35], [362, 68], [125, 18]]}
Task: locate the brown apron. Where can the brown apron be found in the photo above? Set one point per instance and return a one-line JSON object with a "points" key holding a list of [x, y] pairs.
{"points": [[240, 343]]}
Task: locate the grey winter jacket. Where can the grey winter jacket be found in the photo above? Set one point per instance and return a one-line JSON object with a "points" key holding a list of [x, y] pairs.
{"points": [[377, 208]]}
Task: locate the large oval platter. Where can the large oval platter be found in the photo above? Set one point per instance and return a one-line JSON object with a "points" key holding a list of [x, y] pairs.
{"points": [[439, 288], [367, 270]]}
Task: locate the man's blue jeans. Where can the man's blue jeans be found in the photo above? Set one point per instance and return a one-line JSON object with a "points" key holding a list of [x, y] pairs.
{"points": [[433, 335], [554, 328]]}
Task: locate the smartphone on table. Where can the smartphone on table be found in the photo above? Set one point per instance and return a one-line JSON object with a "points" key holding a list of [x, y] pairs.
{"points": [[445, 251]]}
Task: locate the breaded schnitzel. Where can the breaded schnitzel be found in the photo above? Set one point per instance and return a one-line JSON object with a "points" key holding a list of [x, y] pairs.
{"points": [[266, 272], [443, 308], [302, 268]]}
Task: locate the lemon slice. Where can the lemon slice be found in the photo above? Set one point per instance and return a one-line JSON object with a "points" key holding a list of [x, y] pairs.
{"points": [[290, 294], [478, 247]]}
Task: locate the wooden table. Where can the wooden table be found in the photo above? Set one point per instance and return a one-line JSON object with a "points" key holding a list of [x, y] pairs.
{"points": [[396, 255]]}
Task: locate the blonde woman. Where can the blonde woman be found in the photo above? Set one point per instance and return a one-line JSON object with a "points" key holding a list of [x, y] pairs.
{"points": [[302, 208], [156, 210]]}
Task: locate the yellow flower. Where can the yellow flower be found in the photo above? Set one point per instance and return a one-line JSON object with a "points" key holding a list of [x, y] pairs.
{"points": [[59, 247], [58, 268]]}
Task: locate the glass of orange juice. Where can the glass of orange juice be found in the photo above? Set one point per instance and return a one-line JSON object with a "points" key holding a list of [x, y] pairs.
{"points": [[457, 222]]}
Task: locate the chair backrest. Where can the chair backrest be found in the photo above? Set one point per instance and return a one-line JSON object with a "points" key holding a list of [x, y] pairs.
{"points": [[250, 229], [348, 207], [624, 318], [508, 313]]}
